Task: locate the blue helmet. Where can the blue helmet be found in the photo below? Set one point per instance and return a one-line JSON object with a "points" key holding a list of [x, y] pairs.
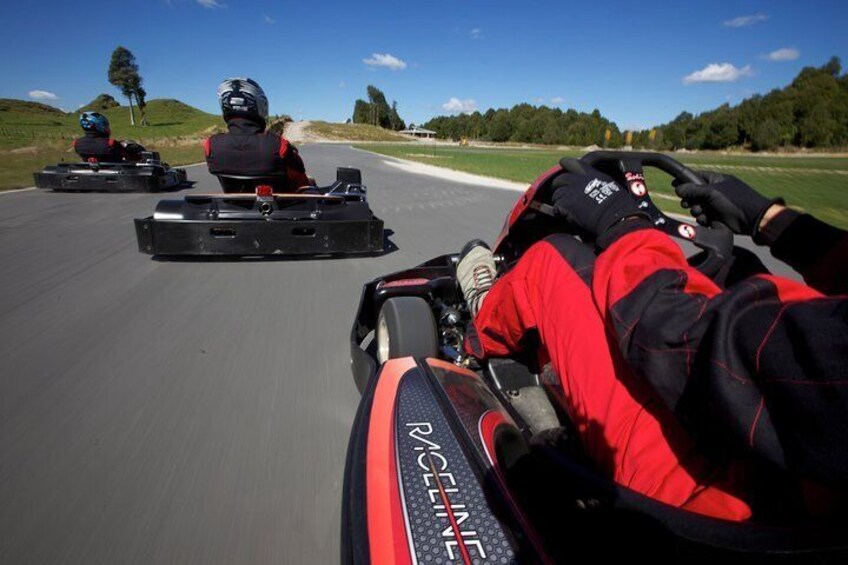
{"points": [[93, 121]]}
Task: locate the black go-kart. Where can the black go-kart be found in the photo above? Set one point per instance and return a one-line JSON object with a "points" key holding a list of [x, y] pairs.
{"points": [[452, 459], [148, 174], [331, 220]]}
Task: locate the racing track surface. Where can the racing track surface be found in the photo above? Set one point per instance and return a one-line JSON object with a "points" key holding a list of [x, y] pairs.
{"points": [[188, 412]]}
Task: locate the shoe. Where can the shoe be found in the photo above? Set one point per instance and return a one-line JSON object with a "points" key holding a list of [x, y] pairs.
{"points": [[476, 273]]}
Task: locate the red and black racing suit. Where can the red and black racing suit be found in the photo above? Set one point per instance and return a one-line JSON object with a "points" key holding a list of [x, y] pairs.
{"points": [[249, 150], [660, 366], [102, 148]]}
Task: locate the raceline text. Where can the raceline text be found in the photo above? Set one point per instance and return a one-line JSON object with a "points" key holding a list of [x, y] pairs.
{"points": [[431, 452]]}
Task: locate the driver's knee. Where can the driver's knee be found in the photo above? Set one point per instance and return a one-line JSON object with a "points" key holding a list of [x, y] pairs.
{"points": [[579, 256]]}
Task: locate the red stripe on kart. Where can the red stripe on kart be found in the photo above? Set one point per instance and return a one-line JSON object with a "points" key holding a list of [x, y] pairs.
{"points": [[457, 534], [386, 528]]}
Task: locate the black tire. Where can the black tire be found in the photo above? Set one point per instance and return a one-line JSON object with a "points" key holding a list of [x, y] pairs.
{"points": [[406, 328]]}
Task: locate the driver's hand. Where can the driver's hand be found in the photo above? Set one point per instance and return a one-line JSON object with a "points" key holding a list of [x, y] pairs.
{"points": [[724, 199], [592, 202]]}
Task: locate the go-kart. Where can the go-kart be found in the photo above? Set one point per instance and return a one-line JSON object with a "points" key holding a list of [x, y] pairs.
{"points": [[148, 174], [455, 459], [331, 220]]}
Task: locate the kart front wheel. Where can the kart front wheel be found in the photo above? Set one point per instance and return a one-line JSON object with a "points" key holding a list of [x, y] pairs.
{"points": [[406, 328]]}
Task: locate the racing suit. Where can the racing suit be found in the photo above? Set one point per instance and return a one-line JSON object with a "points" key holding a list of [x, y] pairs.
{"points": [[102, 148], [251, 151], [660, 367]]}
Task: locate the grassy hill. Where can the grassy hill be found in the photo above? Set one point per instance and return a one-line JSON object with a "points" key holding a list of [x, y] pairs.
{"points": [[33, 134], [352, 132]]}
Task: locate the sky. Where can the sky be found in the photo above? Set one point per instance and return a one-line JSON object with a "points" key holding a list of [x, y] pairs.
{"points": [[640, 63]]}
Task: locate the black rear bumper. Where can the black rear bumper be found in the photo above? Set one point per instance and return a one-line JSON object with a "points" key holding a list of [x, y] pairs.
{"points": [[258, 237], [144, 181]]}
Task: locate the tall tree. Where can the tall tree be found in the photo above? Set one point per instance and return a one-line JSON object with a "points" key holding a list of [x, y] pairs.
{"points": [[123, 74], [141, 96]]}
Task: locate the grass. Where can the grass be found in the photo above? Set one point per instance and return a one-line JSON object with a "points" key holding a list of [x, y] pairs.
{"points": [[34, 135], [818, 185], [353, 132]]}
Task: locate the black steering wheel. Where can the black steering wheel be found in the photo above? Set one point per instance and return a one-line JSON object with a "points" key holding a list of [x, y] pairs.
{"points": [[716, 240]]}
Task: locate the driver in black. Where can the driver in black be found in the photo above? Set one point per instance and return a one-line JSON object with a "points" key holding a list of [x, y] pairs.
{"points": [[247, 149], [680, 389], [98, 146]]}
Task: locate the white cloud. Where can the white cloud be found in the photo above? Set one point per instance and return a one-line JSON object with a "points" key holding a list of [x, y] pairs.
{"points": [[718, 72], [269, 20], [784, 54], [211, 4], [557, 100], [744, 21], [42, 95], [476, 33], [539, 100], [457, 106], [385, 60], [342, 84]]}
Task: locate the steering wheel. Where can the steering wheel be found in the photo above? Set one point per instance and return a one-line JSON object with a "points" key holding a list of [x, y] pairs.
{"points": [[716, 240]]}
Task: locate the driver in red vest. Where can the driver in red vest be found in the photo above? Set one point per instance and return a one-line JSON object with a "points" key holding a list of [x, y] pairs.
{"points": [[681, 390], [247, 149]]}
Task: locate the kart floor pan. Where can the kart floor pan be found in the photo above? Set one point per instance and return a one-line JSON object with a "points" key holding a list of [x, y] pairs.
{"points": [[258, 237]]}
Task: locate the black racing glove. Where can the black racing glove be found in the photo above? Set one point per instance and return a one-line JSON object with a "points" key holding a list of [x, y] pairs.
{"points": [[725, 199], [594, 203]]}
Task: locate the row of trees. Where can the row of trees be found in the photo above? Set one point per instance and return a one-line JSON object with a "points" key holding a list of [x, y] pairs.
{"points": [[811, 112], [124, 75], [377, 112], [524, 123]]}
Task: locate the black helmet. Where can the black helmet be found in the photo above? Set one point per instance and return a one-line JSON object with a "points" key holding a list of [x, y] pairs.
{"points": [[242, 97]]}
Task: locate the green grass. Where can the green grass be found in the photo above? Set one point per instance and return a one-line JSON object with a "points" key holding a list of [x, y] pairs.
{"points": [[353, 132], [817, 184], [34, 135]]}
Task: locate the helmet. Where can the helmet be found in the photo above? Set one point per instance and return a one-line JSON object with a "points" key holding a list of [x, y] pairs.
{"points": [[93, 121], [242, 97]]}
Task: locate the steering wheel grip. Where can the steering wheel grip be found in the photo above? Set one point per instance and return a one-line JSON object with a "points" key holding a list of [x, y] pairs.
{"points": [[716, 241]]}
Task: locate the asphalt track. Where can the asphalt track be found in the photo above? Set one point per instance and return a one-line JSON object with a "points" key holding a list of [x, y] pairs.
{"points": [[192, 411]]}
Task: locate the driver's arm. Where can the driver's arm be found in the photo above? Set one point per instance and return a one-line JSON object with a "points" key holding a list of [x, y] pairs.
{"points": [[295, 169], [761, 365], [815, 249]]}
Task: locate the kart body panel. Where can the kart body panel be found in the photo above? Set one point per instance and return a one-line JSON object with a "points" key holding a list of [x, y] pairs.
{"points": [[329, 220], [147, 175], [422, 482]]}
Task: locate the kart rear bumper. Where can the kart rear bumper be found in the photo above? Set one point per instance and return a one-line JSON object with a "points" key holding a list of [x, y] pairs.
{"points": [[258, 237], [145, 180]]}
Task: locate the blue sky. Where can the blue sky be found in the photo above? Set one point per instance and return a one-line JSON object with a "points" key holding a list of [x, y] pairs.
{"points": [[640, 63]]}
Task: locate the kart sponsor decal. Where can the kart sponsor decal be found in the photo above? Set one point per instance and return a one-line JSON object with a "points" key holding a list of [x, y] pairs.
{"points": [[446, 511], [636, 183], [686, 231], [599, 190]]}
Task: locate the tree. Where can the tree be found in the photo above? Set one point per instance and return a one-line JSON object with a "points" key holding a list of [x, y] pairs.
{"points": [[123, 74], [395, 121], [361, 112], [141, 94], [376, 111], [766, 135]]}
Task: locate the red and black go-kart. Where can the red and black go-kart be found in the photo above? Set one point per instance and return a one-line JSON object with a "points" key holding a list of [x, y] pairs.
{"points": [[148, 174], [331, 220], [455, 460]]}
